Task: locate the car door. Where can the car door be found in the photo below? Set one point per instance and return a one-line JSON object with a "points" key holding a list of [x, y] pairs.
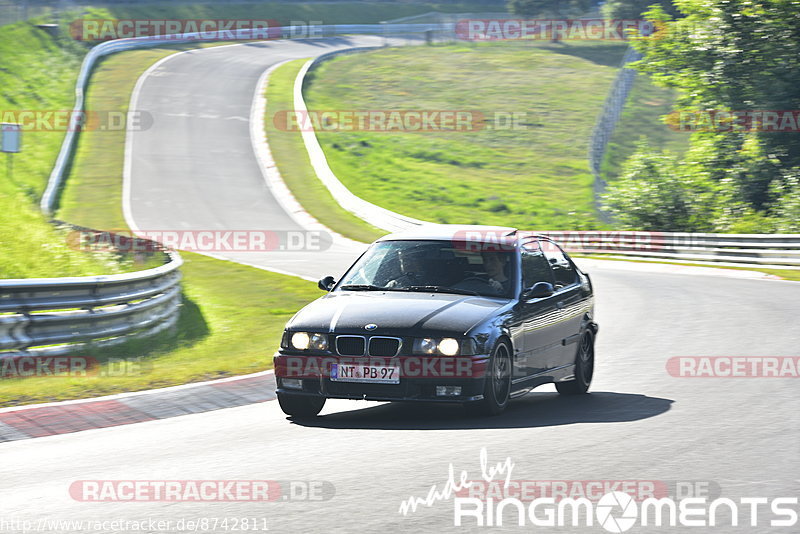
{"points": [[541, 335], [569, 302]]}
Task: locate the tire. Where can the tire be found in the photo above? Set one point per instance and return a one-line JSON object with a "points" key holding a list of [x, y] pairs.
{"points": [[497, 390], [584, 367], [300, 406]]}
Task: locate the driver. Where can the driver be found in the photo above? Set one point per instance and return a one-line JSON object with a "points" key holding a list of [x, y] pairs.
{"points": [[412, 271], [494, 263]]}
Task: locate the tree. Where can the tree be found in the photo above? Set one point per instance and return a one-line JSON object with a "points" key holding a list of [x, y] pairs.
{"points": [[633, 9], [733, 55], [652, 195], [787, 207]]}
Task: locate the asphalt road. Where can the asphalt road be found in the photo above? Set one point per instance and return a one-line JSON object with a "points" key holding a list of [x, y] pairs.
{"points": [[639, 423], [195, 169], [741, 436]]}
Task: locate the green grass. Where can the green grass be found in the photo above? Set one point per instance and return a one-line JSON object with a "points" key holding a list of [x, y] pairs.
{"points": [[38, 73], [641, 118], [32, 248], [534, 177], [291, 158]]}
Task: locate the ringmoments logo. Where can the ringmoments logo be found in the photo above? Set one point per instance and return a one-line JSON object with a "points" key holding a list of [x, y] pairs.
{"points": [[615, 511]]}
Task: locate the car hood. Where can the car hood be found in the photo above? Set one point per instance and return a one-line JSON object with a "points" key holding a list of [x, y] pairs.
{"points": [[395, 312]]}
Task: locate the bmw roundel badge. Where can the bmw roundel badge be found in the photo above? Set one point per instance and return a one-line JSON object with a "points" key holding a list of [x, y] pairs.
{"points": [[371, 326]]}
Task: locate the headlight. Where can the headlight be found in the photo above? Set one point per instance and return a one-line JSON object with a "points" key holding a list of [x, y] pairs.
{"points": [[427, 345], [307, 340], [300, 340], [449, 346], [319, 342]]}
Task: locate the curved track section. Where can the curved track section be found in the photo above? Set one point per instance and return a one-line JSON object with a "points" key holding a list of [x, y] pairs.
{"points": [[195, 168]]}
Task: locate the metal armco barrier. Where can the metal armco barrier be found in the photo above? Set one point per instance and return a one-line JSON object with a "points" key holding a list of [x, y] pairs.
{"points": [[51, 316], [781, 251], [607, 121]]}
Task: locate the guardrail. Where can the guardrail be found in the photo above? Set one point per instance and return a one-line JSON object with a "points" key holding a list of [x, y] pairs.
{"points": [[51, 316], [780, 251], [607, 121], [56, 179]]}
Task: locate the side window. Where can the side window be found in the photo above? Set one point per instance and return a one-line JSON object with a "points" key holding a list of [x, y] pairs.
{"points": [[563, 271], [534, 265]]}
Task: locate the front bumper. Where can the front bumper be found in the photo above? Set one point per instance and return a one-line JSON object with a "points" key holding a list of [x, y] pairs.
{"points": [[419, 377]]}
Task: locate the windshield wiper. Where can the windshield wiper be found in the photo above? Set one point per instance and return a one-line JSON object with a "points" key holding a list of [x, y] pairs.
{"points": [[440, 289], [369, 287], [362, 287]]}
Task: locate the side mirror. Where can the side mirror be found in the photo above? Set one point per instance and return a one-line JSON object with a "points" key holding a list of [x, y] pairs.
{"points": [[327, 283], [539, 290]]}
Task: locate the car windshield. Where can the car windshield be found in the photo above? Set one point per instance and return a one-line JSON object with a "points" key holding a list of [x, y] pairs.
{"points": [[434, 266]]}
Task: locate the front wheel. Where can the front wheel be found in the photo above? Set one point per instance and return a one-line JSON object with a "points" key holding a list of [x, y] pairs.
{"points": [[584, 367], [497, 390], [300, 406]]}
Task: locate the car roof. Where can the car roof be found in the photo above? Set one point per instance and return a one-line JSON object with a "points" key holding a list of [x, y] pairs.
{"points": [[440, 232]]}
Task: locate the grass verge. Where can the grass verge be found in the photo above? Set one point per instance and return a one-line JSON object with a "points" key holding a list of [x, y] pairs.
{"points": [[291, 158], [232, 315], [533, 174], [38, 73]]}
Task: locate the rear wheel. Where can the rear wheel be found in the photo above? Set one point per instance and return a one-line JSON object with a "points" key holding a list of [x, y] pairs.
{"points": [[300, 406], [584, 367], [497, 390]]}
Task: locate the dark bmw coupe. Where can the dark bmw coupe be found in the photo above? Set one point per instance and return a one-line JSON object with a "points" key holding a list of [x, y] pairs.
{"points": [[474, 315]]}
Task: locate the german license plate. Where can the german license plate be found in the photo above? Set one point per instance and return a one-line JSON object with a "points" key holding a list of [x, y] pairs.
{"points": [[373, 374]]}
